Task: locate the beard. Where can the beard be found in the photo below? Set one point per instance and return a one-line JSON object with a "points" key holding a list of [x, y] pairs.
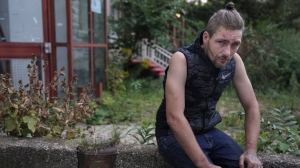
{"points": [[218, 61]]}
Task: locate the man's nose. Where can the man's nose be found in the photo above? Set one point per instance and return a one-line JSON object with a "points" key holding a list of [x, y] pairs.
{"points": [[227, 51]]}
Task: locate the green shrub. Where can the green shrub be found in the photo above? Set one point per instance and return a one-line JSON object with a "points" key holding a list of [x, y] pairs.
{"points": [[279, 132], [271, 57]]}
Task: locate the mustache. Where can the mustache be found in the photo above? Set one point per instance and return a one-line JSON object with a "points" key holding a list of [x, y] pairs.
{"points": [[225, 57]]}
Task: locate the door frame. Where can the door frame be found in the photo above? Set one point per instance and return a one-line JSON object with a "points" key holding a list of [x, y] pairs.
{"points": [[26, 49]]}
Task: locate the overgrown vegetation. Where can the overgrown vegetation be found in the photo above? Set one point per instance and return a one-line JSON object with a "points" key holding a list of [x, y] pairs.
{"points": [[30, 111]]}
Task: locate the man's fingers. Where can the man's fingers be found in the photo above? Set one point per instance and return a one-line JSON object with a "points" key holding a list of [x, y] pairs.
{"points": [[242, 161], [251, 159]]}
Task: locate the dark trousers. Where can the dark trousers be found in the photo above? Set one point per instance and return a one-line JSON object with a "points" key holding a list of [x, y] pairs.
{"points": [[219, 148]]}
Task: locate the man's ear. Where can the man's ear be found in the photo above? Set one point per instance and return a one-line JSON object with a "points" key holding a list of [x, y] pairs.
{"points": [[205, 37]]}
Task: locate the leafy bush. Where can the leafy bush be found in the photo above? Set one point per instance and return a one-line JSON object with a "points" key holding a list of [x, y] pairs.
{"points": [[279, 132], [31, 111], [271, 57], [144, 19]]}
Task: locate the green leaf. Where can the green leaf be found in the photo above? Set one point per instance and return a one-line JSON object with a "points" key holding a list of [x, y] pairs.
{"points": [[284, 147], [31, 122], [279, 127], [289, 117], [15, 111], [277, 118], [10, 125], [291, 123], [274, 113], [287, 112], [296, 152], [278, 123], [293, 131], [56, 130]]}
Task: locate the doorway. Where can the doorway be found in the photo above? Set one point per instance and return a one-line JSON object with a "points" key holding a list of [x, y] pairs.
{"points": [[65, 33], [22, 35]]}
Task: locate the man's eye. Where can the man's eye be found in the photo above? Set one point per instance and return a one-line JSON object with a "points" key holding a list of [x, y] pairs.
{"points": [[235, 45], [222, 42]]}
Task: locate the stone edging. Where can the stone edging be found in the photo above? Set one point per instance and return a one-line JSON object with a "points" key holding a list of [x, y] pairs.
{"points": [[58, 153]]}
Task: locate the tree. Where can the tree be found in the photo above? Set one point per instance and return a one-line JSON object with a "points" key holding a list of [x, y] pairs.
{"points": [[151, 19]]}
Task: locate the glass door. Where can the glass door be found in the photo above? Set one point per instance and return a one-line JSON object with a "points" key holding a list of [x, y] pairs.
{"points": [[89, 42], [23, 33], [65, 33]]}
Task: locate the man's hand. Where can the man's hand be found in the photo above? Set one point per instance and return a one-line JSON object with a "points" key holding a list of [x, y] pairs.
{"points": [[251, 159]]}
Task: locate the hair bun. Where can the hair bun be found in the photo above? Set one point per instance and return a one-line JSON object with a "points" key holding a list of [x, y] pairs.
{"points": [[229, 6]]}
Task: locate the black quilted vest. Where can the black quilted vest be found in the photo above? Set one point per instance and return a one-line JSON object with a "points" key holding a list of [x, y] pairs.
{"points": [[203, 88]]}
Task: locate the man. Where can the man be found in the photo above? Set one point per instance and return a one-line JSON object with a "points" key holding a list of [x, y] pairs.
{"points": [[194, 82]]}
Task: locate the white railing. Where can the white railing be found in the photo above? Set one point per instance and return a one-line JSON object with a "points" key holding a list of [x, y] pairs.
{"points": [[155, 53]]}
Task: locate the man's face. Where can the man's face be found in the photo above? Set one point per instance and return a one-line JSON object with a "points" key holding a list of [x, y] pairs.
{"points": [[221, 46]]}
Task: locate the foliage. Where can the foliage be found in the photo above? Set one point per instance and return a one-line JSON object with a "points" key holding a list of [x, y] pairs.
{"points": [[253, 11], [115, 71], [151, 19], [93, 143], [115, 79], [30, 111], [270, 62], [141, 99], [279, 132], [279, 126], [144, 134], [146, 63]]}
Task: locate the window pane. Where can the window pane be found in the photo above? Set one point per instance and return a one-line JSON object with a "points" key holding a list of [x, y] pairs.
{"points": [[62, 61], [60, 21], [82, 66], [17, 68], [99, 26], [19, 22], [99, 65], [80, 21]]}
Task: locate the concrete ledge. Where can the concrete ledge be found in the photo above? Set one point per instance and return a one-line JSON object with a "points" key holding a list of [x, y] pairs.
{"points": [[58, 153], [37, 153], [147, 156]]}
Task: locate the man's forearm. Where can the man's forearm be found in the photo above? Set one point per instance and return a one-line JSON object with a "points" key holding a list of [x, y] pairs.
{"points": [[252, 127]]}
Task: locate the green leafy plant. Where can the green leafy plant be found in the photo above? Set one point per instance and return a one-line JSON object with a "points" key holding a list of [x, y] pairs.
{"points": [[151, 19], [279, 132], [31, 111], [115, 72], [136, 85], [144, 134]]}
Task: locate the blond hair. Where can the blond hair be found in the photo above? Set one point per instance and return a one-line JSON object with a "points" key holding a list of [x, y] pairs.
{"points": [[229, 18]]}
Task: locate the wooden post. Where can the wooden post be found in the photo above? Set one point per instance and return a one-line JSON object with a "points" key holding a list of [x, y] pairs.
{"points": [[144, 47], [79, 91], [98, 91]]}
